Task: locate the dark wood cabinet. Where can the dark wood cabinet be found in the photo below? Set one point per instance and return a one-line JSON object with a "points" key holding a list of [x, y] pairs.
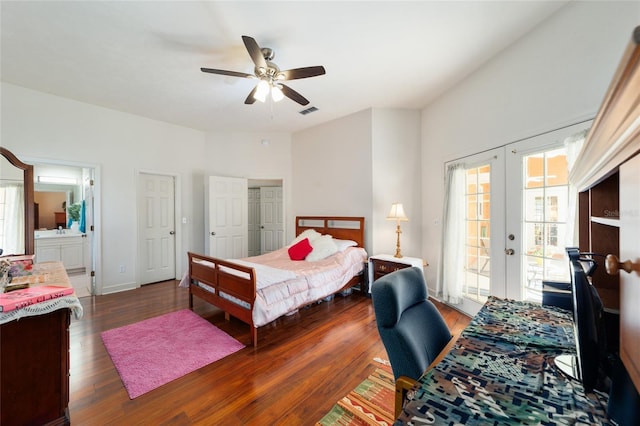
{"points": [[34, 370], [383, 264], [600, 233], [607, 170], [384, 267]]}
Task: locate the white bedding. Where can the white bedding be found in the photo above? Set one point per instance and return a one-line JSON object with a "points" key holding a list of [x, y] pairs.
{"points": [[283, 285], [314, 281]]}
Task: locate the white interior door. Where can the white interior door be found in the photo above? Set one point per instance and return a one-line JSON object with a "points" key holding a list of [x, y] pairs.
{"points": [[253, 224], [89, 249], [228, 217], [271, 219], [156, 225]]}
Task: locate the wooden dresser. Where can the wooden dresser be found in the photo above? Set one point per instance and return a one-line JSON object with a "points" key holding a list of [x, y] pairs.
{"points": [[34, 360], [383, 264]]}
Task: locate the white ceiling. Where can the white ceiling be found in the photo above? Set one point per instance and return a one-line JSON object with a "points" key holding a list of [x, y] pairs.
{"points": [[144, 57]]}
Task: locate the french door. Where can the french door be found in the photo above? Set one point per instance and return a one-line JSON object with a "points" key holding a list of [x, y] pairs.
{"points": [[541, 222], [519, 215]]}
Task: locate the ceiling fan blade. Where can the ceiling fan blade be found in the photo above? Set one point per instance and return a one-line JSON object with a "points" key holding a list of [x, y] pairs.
{"points": [[250, 99], [293, 95], [254, 51], [229, 73], [305, 72]]}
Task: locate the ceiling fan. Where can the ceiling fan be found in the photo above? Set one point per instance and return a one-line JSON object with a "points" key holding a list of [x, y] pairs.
{"points": [[269, 74]]}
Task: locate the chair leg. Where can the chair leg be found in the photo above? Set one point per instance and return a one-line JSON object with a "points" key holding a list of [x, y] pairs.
{"points": [[404, 384]]}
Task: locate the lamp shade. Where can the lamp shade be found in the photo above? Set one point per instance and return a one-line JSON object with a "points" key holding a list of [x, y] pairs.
{"points": [[397, 213], [276, 94], [262, 91]]}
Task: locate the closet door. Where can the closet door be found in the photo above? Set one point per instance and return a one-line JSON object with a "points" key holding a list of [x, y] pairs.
{"points": [[254, 222], [271, 219], [228, 217]]}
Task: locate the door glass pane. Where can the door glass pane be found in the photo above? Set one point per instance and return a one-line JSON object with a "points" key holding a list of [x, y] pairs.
{"points": [[546, 199], [478, 233]]}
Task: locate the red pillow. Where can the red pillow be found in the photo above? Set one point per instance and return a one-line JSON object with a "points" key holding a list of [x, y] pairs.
{"points": [[300, 250]]}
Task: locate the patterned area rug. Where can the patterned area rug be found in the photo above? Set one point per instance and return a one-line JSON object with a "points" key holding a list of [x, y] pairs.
{"points": [[151, 353], [371, 403]]}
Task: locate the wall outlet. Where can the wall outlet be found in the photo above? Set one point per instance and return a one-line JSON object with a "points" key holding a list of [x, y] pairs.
{"points": [[122, 268]]}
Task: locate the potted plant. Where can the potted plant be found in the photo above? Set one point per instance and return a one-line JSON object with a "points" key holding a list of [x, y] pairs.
{"points": [[73, 211]]}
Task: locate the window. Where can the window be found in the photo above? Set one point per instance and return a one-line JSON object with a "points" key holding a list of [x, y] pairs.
{"points": [[478, 232], [546, 198]]}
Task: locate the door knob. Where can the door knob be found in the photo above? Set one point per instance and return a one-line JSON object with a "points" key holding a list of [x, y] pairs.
{"points": [[612, 264], [213, 233], [172, 232], [509, 252]]}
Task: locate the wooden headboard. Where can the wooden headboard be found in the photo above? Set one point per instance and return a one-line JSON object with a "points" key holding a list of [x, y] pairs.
{"points": [[340, 227]]}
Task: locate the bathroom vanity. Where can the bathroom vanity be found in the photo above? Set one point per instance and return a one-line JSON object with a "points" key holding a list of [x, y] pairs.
{"points": [[67, 247]]}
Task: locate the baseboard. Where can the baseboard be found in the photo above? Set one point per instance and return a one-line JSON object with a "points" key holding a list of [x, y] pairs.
{"points": [[118, 288]]}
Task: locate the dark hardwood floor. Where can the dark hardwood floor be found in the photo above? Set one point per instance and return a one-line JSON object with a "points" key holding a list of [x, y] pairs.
{"points": [[303, 364]]}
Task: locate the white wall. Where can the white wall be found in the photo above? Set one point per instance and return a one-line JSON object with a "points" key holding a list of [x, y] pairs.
{"points": [[245, 155], [554, 76], [395, 178], [358, 166], [332, 169], [45, 127]]}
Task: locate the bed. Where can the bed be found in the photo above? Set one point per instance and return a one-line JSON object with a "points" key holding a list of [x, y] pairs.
{"points": [[260, 289]]}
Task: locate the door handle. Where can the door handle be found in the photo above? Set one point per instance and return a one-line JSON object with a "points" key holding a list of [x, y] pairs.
{"points": [[172, 232], [213, 233], [613, 265], [509, 252]]}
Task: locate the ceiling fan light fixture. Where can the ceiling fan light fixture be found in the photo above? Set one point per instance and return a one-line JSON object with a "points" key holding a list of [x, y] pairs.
{"points": [[269, 75], [276, 94], [262, 91]]}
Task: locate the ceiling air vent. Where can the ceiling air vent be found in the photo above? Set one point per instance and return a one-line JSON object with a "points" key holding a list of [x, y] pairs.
{"points": [[308, 110]]}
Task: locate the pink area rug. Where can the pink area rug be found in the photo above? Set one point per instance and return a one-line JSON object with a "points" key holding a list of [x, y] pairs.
{"points": [[151, 353]]}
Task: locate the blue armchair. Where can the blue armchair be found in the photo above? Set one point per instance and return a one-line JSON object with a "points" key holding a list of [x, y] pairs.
{"points": [[411, 327]]}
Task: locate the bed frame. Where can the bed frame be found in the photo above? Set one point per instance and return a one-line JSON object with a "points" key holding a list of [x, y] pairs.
{"points": [[241, 283]]}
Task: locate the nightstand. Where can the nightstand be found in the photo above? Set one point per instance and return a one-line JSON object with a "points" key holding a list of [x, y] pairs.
{"points": [[383, 264]]}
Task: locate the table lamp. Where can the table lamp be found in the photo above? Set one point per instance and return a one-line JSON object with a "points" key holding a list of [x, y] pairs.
{"points": [[397, 214]]}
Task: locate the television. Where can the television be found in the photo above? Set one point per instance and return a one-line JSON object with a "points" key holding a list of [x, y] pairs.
{"points": [[588, 364]]}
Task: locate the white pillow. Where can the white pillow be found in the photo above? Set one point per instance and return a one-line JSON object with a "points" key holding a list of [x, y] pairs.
{"points": [[311, 234], [344, 244], [322, 247]]}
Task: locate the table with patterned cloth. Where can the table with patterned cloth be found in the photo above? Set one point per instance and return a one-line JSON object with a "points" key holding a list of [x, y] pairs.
{"points": [[45, 273], [501, 371]]}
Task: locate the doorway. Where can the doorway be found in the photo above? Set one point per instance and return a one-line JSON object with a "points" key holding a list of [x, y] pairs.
{"points": [[266, 218], [244, 217], [516, 205], [66, 198]]}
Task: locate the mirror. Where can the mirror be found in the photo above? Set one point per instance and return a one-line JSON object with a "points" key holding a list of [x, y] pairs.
{"points": [[57, 188], [16, 205]]}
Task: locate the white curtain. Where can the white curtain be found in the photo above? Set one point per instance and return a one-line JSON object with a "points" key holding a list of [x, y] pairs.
{"points": [[573, 145], [451, 267], [13, 220]]}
